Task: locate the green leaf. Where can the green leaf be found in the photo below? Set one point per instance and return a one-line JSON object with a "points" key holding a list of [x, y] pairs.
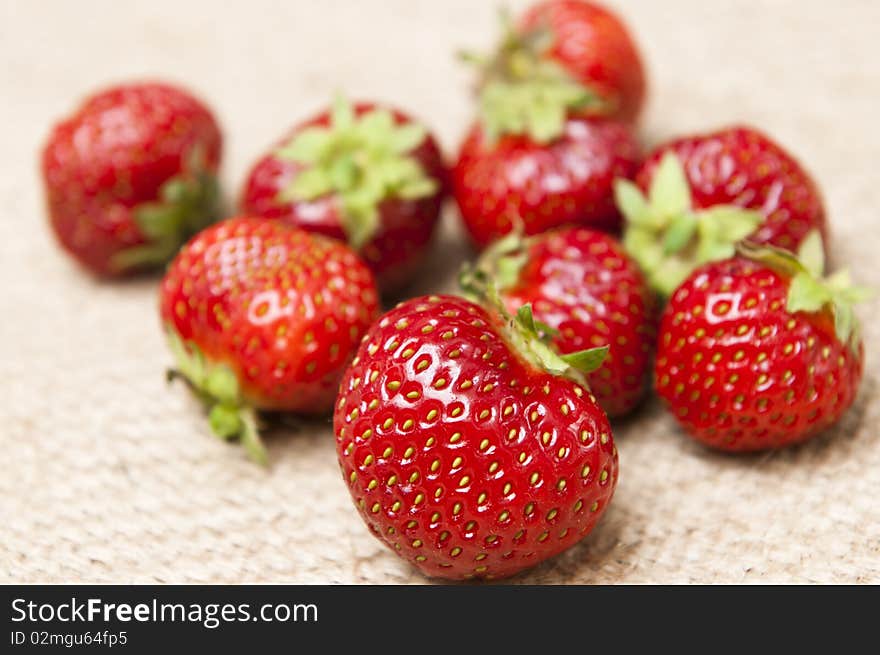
{"points": [[507, 270], [364, 160], [631, 202], [586, 361], [667, 278], [680, 233], [189, 360], [547, 358], [670, 194], [175, 190], [224, 421], [308, 147], [709, 250], [645, 247], [537, 105], [806, 294], [417, 188], [526, 318], [222, 384], [309, 184], [546, 122], [844, 321], [407, 138], [342, 172], [342, 115], [377, 126], [728, 223], [360, 222], [811, 253], [157, 221]]}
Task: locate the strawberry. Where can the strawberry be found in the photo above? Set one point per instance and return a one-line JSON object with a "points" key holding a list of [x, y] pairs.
{"points": [[568, 180], [364, 174], [131, 175], [758, 351], [562, 55], [469, 446], [594, 47], [556, 100], [705, 193], [586, 292], [260, 315]]}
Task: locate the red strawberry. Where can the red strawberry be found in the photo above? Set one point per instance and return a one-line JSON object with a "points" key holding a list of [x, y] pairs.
{"points": [[131, 175], [594, 47], [568, 180], [757, 351], [367, 175], [583, 288], [707, 192], [562, 56], [261, 315], [462, 451]]}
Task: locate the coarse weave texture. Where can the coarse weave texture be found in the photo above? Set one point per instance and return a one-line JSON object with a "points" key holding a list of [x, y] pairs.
{"points": [[109, 475]]}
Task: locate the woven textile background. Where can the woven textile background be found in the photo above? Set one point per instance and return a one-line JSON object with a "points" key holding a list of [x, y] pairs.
{"points": [[109, 475]]}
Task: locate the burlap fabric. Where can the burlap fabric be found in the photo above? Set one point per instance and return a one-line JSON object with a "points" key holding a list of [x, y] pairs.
{"points": [[107, 474]]}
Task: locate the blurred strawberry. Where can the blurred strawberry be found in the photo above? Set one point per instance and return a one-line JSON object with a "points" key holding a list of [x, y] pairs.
{"points": [[562, 55], [556, 99], [365, 174], [566, 181], [131, 175], [705, 193]]}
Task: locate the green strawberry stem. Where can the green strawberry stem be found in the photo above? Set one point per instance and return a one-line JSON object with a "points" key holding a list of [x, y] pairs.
{"points": [[667, 236], [229, 416], [499, 267], [521, 91], [187, 203], [808, 290], [364, 160]]}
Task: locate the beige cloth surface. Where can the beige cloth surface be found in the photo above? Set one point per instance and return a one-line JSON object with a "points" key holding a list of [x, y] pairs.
{"points": [[109, 475]]}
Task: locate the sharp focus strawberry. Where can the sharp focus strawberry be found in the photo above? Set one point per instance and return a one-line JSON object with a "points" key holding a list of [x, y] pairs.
{"points": [[568, 180], [705, 193], [586, 292], [264, 316], [131, 175], [757, 351], [462, 451], [364, 174]]}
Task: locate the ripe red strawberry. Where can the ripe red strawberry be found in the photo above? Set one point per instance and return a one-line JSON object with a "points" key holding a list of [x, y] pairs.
{"points": [[264, 316], [364, 174], [594, 47], [131, 175], [587, 292], [757, 351], [568, 180], [707, 192], [561, 56], [462, 450]]}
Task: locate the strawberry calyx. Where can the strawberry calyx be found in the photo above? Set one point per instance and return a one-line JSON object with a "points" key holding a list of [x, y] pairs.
{"points": [[364, 159], [667, 236], [187, 203], [809, 291], [216, 385], [501, 263], [499, 268], [522, 91]]}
